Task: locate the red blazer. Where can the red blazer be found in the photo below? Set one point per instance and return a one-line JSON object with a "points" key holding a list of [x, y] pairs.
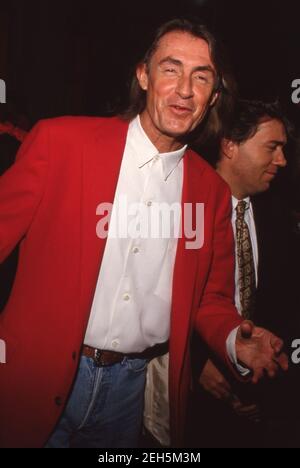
{"points": [[48, 200]]}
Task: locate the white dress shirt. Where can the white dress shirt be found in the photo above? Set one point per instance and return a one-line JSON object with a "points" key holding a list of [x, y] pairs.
{"points": [[132, 302], [131, 308]]}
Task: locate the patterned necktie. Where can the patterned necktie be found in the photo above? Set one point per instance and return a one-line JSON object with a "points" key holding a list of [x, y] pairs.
{"points": [[247, 283]]}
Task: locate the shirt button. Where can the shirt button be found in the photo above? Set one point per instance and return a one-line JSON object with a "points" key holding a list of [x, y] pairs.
{"points": [[135, 250], [126, 297], [149, 203], [115, 344], [156, 158]]}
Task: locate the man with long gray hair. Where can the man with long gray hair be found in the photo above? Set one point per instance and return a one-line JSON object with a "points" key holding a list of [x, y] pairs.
{"points": [[88, 313]]}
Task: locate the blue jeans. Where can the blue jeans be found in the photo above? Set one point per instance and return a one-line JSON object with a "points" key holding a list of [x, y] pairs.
{"points": [[105, 408]]}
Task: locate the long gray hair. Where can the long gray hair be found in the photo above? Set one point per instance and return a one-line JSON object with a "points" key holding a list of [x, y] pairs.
{"points": [[219, 115]]}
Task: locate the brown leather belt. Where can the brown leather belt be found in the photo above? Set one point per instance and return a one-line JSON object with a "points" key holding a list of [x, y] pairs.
{"points": [[104, 357]]}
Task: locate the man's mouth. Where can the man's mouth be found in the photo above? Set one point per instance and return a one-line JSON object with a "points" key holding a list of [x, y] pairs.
{"points": [[180, 110], [272, 174]]}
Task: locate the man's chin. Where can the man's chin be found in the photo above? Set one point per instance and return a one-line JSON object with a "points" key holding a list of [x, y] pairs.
{"points": [[263, 188], [178, 132]]}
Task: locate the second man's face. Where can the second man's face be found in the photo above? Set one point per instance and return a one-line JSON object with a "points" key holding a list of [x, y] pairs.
{"points": [[179, 85], [258, 160]]}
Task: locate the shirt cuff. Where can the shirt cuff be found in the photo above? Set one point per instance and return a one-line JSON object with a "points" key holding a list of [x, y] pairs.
{"points": [[230, 345]]}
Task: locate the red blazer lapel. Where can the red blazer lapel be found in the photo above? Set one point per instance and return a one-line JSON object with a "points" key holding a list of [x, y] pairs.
{"points": [[187, 263], [101, 166]]}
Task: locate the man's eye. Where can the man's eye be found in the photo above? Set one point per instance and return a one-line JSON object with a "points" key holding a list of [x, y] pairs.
{"points": [[202, 78], [170, 70]]}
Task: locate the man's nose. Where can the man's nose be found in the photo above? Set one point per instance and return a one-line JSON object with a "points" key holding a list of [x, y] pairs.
{"points": [[280, 159], [185, 87]]}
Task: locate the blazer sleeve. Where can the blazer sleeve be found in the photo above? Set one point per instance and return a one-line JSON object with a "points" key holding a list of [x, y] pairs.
{"points": [[21, 189], [217, 315]]}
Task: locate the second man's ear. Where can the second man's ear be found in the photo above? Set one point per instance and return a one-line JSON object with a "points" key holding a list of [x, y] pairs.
{"points": [[142, 76], [227, 148]]}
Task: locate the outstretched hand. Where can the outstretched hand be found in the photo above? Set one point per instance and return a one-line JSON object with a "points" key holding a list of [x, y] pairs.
{"points": [[260, 351]]}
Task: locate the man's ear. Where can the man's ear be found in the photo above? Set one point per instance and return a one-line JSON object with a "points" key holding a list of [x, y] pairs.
{"points": [[142, 76], [227, 148]]}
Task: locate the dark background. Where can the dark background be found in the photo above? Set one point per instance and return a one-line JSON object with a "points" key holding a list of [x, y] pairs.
{"points": [[76, 57], [73, 58]]}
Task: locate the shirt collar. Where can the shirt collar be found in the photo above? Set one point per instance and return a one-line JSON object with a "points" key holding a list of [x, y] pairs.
{"points": [[145, 151], [235, 202]]}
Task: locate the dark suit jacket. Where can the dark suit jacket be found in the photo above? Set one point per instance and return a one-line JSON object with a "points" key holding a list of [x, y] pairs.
{"points": [[277, 308], [277, 302], [278, 298]]}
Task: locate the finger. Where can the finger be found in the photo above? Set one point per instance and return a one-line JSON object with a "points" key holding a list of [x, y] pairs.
{"points": [[271, 374], [272, 369], [252, 415], [258, 374], [239, 406], [236, 404], [246, 329], [233, 400], [277, 344], [283, 361], [249, 410]]}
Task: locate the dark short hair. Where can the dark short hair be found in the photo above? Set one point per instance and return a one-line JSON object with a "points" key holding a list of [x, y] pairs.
{"points": [[217, 116], [247, 117]]}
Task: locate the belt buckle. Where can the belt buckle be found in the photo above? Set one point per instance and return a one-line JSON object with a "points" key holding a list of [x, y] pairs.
{"points": [[97, 357]]}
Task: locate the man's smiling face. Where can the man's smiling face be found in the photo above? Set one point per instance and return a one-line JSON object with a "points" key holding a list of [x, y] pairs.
{"points": [[180, 83]]}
